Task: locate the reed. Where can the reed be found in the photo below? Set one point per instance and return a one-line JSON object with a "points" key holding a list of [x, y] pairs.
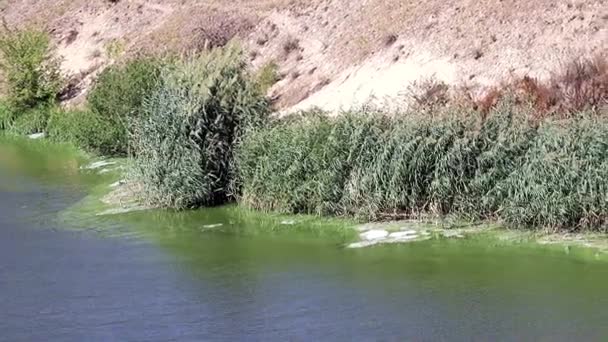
{"points": [[504, 165]]}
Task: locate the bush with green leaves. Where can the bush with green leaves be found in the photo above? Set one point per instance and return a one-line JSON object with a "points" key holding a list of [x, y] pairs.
{"points": [[185, 138], [83, 128], [118, 94], [451, 164], [29, 68]]}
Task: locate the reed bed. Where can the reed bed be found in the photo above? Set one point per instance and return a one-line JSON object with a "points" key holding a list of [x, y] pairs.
{"points": [[505, 165]]}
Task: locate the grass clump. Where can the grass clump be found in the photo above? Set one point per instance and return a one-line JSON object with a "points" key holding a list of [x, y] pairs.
{"points": [[502, 165], [33, 120], [191, 122], [117, 98], [32, 80], [6, 116], [267, 76]]}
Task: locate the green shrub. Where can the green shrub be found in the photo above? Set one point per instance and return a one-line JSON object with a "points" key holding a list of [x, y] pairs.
{"points": [[190, 123], [370, 165], [30, 70], [118, 95], [83, 128]]}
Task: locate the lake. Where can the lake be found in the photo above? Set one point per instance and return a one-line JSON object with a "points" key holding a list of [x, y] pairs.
{"points": [[220, 275]]}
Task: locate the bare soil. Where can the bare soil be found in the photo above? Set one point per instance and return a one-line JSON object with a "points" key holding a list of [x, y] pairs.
{"points": [[332, 53]]}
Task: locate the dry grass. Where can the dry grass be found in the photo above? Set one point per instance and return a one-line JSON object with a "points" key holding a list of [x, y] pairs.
{"points": [[289, 45], [217, 30], [389, 39], [581, 84], [428, 93]]}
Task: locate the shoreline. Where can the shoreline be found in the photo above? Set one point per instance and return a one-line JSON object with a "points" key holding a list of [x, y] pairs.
{"points": [[113, 195], [120, 200]]}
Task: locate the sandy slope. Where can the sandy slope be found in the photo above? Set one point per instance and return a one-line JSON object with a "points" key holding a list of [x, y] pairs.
{"points": [[334, 53]]}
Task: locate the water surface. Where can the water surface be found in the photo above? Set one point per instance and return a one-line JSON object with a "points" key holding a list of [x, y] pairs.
{"points": [[162, 276]]}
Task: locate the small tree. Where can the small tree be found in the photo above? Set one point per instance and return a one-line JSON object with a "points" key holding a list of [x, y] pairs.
{"points": [[30, 70], [118, 94]]}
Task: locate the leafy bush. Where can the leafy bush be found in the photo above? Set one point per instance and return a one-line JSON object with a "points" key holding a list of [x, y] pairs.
{"points": [[370, 165], [29, 68], [118, 95], [83, 128], [190, 124]]}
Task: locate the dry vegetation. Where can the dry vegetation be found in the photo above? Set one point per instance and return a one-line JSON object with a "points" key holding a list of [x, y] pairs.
{"points": [[581, 84]]}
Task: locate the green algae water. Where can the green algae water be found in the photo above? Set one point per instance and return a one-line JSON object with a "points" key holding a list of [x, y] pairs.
{"points": [[225, 274]]}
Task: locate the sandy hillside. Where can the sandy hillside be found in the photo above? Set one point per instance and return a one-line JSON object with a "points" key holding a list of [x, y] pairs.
{"points": [[333, 53]]}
